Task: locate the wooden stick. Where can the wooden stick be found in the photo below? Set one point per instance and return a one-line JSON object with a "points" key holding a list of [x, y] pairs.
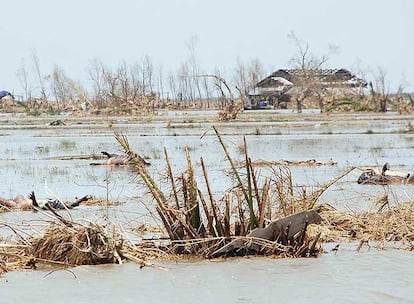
{"points": [[219, 227], [171, 176], [210, 225]]}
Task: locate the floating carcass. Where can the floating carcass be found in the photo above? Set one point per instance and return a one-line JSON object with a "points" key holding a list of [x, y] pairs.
{"points": [[384, 176], [31, 203], [289, 230], [121, 160]]}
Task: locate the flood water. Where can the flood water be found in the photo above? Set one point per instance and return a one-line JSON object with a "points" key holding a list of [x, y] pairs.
{"points": [[35, 156]]}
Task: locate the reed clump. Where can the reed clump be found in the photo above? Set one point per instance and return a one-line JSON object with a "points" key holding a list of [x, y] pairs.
{"points": [[198, 223]]}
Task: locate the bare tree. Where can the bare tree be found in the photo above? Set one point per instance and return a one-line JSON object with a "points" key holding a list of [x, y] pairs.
{"points": [[135, 82], [95, 72], [60, 86], [66, 91], [147, 71], [194, 69], [36, 66], [380, 90], [185, 91], [173, 85], [247, 76], [307, 80], [160, 80], [23, 77], [207, 90]]}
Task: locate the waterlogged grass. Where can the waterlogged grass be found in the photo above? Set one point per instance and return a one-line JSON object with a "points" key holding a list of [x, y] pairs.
{"points": [[57, 171], [42, 150], [156, 153], [67, 145], [377, 151], [240, 149], [41, 173]]}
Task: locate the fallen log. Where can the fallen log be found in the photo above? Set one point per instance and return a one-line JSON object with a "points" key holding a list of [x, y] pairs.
{"points": [[286, 231]]}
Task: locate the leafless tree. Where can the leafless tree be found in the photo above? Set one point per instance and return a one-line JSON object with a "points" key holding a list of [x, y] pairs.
{"points": [[23, 77], [160, 79], [308, 80], [36, 66], [173, 85], [246, 76], [194, 70], [95, 72], [60, 86], [361, 72], [380, 89], [184, 84], [147, 73], [135, 81], [65, 90], [207, 90]]}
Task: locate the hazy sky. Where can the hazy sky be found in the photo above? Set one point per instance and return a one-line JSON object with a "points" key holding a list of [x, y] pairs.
{"points": [[370, 34]]}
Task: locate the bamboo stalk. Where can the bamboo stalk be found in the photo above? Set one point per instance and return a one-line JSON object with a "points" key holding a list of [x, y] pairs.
{"points": [[210, 225], [186, 200], [227, 217], [253, 219], [219, 227], [291, 193], [241, 215], [149, 182], [280, 190], [263, 202], [249, 187], [256, 191], [171, 176], [192, 189]]}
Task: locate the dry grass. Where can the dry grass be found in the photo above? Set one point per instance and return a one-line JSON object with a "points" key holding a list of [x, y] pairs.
{"points": [[82, 245], [395, 224], [68, 244]]}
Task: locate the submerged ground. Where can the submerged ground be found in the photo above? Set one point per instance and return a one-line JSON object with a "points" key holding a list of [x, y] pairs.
{"points": [[37, 156]]}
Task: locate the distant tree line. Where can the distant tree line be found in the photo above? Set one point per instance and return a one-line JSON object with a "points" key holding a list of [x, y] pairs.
{"points": [[140, 86], [143, 87]]}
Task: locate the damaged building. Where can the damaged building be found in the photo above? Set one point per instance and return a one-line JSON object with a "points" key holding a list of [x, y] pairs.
{"points": [[280, 87]]}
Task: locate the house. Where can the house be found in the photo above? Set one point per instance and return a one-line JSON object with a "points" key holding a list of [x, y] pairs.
{"points": [[280, 86]]}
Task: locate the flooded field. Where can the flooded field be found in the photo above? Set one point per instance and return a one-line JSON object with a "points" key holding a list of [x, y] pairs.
{"points": [[46, 159]]}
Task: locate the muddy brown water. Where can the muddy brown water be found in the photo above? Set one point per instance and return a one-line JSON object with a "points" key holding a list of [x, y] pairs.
{"points": [[34, 156]]}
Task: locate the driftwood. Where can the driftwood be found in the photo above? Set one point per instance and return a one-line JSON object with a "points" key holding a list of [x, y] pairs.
{"points": [[283, 231]]}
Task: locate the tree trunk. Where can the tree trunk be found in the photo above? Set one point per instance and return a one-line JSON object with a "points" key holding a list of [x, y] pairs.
{"points": [[299, 104], [383, 104]]}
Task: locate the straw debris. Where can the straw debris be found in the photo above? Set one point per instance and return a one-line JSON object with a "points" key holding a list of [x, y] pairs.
{"points": [[395, 224], [84, 245]]}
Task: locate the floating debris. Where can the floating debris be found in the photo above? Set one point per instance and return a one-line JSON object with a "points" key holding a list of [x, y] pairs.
{"points": [[384, 176]]}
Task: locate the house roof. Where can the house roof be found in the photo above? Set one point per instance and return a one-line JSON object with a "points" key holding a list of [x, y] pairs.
{"points": [[328, 77], [274, 85]]}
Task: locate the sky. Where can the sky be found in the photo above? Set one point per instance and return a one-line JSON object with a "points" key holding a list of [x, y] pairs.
{"points": [[369, 35]]}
